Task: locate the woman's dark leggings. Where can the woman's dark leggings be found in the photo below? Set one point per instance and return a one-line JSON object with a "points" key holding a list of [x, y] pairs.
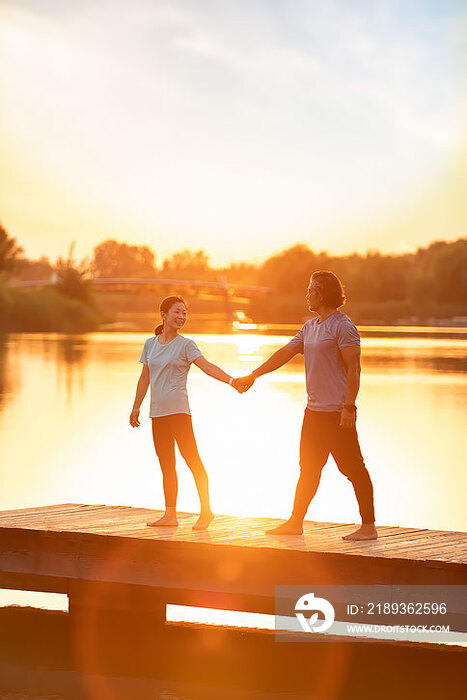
{"points": [[166, 431], [321, 435]]}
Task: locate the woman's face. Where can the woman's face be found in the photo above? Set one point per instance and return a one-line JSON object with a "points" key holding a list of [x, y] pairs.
{"points": [[175, 317]]}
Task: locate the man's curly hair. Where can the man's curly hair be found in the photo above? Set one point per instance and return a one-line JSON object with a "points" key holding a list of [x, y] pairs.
{"points": [[330, 288]]}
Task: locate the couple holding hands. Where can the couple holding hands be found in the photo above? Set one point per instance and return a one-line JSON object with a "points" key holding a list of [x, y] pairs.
{"points": [[330, 344]]}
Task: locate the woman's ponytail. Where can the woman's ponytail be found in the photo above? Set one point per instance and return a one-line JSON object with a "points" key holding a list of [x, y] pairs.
{"points": [[158, 330]]}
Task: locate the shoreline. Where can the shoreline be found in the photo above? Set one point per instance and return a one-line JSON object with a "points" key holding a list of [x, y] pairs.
{"points": [[264, 329]]}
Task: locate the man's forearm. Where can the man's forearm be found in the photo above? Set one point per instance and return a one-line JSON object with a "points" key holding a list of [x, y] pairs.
{"points": [[353, 384], [279, 358]]}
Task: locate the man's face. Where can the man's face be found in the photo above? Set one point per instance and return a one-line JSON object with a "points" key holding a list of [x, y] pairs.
{"points": [[313, 297]]}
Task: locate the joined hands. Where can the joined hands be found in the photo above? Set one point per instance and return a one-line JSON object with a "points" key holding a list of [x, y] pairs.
{"points": [[242, 384]]}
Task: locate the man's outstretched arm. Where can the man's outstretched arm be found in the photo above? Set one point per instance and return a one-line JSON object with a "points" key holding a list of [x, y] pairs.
{"points": [[277, 359]]}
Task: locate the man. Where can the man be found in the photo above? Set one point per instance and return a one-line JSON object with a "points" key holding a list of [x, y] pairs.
{"points": [[331, 346]]}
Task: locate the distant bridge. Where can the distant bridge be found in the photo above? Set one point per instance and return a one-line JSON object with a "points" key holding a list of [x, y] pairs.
{"points": [[221, 284], [220, 287]]}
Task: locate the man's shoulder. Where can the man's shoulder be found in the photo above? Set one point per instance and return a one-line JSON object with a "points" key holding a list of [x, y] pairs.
{"points": [[307, 327], [341, 317], [310, 323], [344, 324], [336, 319]]}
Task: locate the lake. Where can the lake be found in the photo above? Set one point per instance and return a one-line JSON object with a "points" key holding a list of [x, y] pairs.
{"points": [[65, 436]]}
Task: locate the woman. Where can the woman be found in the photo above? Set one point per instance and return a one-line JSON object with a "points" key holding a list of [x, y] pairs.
{"points": [[166, 359]]}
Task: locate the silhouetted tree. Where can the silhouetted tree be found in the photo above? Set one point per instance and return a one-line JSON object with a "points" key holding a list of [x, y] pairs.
{"points": [[289, 272], [34, 269], [188, 264], [450, 272], [73, 277], [241, 273], [115, 259], [9, 252], [440, 272], [375, 277]]}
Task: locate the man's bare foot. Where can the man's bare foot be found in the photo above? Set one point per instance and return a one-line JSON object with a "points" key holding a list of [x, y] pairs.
{"points": [[366, 532], [165, 521], [290, 527], [204, 521]]}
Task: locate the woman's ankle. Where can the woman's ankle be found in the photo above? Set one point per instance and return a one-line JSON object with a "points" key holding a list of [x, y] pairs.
{"points": [[296, 519]]}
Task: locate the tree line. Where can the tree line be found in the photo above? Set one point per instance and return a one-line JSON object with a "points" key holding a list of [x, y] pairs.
{"points": [[429, 282]]}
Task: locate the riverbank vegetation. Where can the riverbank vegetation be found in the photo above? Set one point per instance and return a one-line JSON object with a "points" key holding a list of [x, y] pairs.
{"points": [[428, 286], [66, 305], [47, 310]]}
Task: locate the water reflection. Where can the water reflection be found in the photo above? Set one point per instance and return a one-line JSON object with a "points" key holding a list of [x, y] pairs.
{"points": [[10, 376], [72, 350], [3, 368], [71, 355], [415, 354]]}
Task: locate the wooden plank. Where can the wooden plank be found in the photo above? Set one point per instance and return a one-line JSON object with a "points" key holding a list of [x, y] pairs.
{"points": [[72, 520], [232, 520], [434, 546], [24, 511], [46, 510], [414, 549], [26, 582], [79, 555], [34, 517], [128, 522]]}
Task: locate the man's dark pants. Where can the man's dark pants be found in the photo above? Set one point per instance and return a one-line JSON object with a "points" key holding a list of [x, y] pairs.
{"points": [[322, 435]]}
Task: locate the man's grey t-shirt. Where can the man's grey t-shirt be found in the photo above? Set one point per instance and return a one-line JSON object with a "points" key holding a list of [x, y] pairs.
{"points": [[168, 371], [325, 371]]}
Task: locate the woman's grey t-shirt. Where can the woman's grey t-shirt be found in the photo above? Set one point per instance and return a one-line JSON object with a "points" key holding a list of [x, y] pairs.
{"points": [[168, 370], [325, 370]]}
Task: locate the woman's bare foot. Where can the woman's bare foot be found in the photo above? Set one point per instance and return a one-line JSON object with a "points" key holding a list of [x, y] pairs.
{"points": [[290, 527], [366, 532], [165, 521], [204, 521]]}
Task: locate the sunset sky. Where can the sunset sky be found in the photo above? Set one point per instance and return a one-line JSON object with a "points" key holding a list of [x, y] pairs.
{"points": [[237, 126]]}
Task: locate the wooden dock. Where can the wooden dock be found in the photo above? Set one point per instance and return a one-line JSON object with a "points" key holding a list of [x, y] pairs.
{"points": [[116, 569], [55, 548]]}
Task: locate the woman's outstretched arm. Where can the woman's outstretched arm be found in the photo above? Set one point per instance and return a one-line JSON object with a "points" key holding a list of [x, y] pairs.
{"points": [[212, 370], [141, 389]]}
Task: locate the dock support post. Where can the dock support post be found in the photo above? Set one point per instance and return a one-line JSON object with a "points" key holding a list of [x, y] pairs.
{"points": [[115, 626]]}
